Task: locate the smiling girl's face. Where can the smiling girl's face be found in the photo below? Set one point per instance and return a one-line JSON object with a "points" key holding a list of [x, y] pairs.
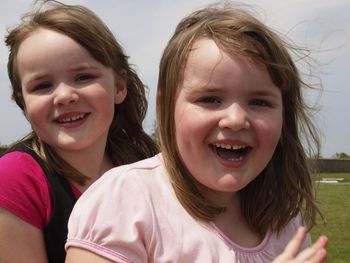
{"points": [[228, 118], [69, 97]]}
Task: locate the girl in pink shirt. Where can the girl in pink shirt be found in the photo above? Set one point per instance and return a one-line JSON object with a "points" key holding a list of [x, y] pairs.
{"points": [[233, 182], [85, 104]]}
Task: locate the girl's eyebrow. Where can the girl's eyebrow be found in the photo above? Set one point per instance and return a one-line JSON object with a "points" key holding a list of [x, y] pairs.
{"points": [[202, 88], [36, 77], [274, 93], [198, 90], [83, 67]]}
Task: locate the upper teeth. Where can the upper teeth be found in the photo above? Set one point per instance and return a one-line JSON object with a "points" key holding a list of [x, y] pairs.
{"points": [[229, 147], [74, 118]]}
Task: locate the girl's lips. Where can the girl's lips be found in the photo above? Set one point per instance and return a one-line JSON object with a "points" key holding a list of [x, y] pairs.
{"points": [[70, 116], [71, 120], [231, 154], [229, 146]]}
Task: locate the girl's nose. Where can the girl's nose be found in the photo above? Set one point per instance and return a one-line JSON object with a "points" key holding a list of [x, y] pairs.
{"points": [[65, 94], [234, 117]]}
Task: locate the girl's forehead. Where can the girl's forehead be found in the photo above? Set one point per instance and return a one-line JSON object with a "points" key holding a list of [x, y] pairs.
{"points": [[206, 47], [207, 56], [203, 50]]}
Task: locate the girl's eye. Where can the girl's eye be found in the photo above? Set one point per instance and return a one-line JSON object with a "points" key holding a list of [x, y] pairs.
{"points": [[84, 77], [210, 100], [260, 103], [42, 86]]}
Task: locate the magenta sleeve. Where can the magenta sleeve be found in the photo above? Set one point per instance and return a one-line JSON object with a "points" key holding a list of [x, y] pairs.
{"points": [[24, 189]]}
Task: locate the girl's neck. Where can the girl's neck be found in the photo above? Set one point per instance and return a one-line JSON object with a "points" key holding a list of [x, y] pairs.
{"points": [[234, 226], [93, 173], [222, 199], [232, 222], [90, 162]]}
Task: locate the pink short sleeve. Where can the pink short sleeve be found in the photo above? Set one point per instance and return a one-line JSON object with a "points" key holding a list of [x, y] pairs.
{"points": [[24, 190], [109, 225]]}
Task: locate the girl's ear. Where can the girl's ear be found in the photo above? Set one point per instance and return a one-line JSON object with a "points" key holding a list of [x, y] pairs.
{"points": [[120, 87]]}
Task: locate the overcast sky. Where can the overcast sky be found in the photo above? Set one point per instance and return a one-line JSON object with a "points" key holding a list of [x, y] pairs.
{"points": [[144, 27]]}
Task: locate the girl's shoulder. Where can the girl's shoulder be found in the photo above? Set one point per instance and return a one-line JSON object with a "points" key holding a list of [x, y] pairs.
{"points": [[123, 208], [123, 187], [280, 240], [16, 160], [18, 165], [24, 189]]}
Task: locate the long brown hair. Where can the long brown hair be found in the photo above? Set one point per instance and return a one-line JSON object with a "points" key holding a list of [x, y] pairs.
{"points": [[284, 188], [127, 141]]}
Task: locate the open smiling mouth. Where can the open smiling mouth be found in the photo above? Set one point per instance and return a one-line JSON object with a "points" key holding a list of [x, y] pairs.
{"points": [[72, 119], [231, 152]]}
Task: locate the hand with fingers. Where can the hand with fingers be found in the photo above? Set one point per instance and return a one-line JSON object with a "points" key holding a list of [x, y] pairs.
{"points": [[317, 253]]}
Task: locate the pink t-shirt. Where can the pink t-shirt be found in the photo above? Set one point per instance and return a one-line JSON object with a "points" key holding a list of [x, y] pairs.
{"points": [[131, 214], [24, 189]]}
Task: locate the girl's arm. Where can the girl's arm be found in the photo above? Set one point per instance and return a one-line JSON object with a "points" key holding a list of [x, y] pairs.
{"points": [[317, 253], [81, 255], [20, 242]]}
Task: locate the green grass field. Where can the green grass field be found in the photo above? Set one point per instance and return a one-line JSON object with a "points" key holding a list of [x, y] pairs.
{"points": [[334, 201]]}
